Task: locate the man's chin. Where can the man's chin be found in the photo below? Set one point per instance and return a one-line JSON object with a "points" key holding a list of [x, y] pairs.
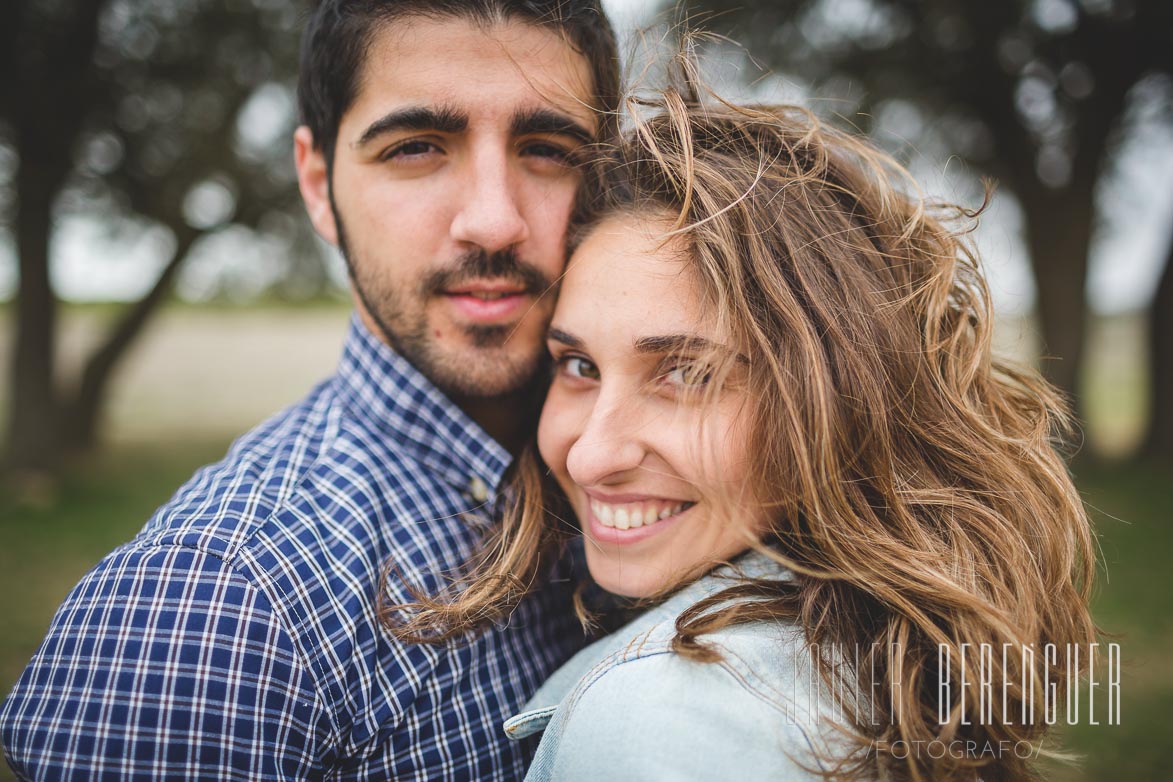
{"points": [[473, 362], [481, 372]]}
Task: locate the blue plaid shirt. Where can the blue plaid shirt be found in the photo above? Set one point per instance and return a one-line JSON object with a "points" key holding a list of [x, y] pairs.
{"points": [[236, 636]]}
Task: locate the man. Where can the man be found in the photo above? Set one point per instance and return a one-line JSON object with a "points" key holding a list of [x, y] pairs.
{"points": [[238, 635]]}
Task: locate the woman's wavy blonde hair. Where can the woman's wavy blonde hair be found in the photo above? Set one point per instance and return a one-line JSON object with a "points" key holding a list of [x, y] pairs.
{"points": [[912, 479]]}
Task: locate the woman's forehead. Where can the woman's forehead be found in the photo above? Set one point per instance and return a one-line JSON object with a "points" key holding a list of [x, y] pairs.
{"points": [[627, 274]]}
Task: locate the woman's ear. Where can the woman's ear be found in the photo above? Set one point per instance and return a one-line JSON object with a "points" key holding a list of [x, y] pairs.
{"points": [[313, 179]]}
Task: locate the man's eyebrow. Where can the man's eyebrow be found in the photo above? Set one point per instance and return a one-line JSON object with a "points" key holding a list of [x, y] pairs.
{"points": [[549, 122], [443, 119], [558, 335]]}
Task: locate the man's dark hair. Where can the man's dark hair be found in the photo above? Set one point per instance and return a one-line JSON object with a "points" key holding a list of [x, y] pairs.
{"points": [[339, 33]]}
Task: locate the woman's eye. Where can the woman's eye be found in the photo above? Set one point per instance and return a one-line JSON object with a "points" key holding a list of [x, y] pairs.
{"points": [[577, 366], [688, 375]]}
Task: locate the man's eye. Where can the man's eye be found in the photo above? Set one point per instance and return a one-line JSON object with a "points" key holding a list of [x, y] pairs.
{"points": [[579, 367], [410, 150], [548, 151]]}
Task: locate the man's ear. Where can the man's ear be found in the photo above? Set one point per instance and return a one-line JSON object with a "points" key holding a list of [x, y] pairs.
{"points": [[314, 182]]}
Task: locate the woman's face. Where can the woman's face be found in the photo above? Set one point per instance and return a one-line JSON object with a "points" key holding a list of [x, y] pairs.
{"points": [[655, 475]]}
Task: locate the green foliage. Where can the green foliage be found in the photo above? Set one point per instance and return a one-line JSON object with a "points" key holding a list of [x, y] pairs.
{"points": [[1038, 94], [1028, 90], [181, 116], [169, 119]]}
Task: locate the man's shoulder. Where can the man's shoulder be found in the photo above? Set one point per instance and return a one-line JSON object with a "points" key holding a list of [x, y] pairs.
{"points": [[310, 464], [302, 514], [225, 502], [311, 506]]}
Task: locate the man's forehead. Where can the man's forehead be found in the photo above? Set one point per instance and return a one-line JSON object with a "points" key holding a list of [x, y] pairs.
{"points": [[502, 69]]}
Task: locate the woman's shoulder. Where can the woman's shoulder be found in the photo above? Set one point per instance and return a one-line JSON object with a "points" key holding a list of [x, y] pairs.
{"points": [[765, 663], [767, 659], [755, 711], [663, 715]]}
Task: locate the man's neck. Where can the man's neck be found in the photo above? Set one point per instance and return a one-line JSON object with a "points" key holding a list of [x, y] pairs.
{"points": [[507, 419]]}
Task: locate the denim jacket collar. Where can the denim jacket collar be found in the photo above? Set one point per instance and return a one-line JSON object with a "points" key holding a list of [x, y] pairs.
{"points": [[657, 624]]}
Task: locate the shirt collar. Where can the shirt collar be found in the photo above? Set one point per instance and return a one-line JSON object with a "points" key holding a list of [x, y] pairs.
{"points": [[386, 394]]}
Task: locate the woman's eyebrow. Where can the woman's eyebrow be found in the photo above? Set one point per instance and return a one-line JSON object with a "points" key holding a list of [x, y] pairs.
{"points": [[676, 343], [684, 343], [558, 335]]}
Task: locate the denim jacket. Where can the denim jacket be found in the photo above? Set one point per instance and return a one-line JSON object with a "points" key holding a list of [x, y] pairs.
{"points": [[628, 707]]}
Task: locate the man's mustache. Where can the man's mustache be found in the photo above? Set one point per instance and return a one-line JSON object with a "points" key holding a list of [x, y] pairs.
{"points": [[480, 265]]}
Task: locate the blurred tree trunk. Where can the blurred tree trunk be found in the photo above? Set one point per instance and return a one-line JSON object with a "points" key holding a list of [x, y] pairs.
{"points": [[1060, 223], [32, 431], [186, 70], [1059, 232], [53, 57], [1159, 440], [83, 409], [1056, 92]]}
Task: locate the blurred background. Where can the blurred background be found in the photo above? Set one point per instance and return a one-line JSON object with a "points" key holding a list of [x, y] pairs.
{"points": [[161, 291]]}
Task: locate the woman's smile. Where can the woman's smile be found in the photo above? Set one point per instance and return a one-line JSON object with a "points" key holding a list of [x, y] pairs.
{"points": [[627, 520], [633, 515]]}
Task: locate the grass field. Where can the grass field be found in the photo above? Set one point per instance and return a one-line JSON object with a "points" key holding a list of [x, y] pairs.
{"points": [[1131, 509], [199, 379]]}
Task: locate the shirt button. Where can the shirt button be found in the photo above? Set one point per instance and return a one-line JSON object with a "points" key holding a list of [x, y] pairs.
{"points": [[478, 489]]}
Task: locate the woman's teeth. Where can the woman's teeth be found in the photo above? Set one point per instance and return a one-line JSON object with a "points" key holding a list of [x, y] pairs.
{"points": [[631, 515]]}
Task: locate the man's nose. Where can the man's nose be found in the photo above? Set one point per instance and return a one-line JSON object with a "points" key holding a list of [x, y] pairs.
{"points": [[490, 215], [611, 444]]}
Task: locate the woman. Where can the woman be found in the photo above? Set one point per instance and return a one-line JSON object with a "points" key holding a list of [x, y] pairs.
{"points": [[774, 416]]}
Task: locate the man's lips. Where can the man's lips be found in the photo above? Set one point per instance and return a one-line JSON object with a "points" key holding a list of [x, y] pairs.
{"points": [[487, 301], [486, 287]]}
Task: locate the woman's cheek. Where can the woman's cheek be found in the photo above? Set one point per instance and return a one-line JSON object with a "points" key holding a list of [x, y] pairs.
{"points": [[555, 434]]}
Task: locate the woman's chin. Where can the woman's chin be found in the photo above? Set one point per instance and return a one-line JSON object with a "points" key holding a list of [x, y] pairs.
{"points": [[625, 580], [621, 576]]}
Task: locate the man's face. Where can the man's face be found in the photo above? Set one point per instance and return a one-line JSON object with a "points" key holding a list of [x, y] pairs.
{"points": [[451, 191]]}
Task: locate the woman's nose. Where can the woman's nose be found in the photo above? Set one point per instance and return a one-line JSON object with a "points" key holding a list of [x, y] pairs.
{"points": [[611, 444]]}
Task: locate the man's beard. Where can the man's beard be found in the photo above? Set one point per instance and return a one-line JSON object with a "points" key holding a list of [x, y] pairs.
{"points": [[490, 370]]}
